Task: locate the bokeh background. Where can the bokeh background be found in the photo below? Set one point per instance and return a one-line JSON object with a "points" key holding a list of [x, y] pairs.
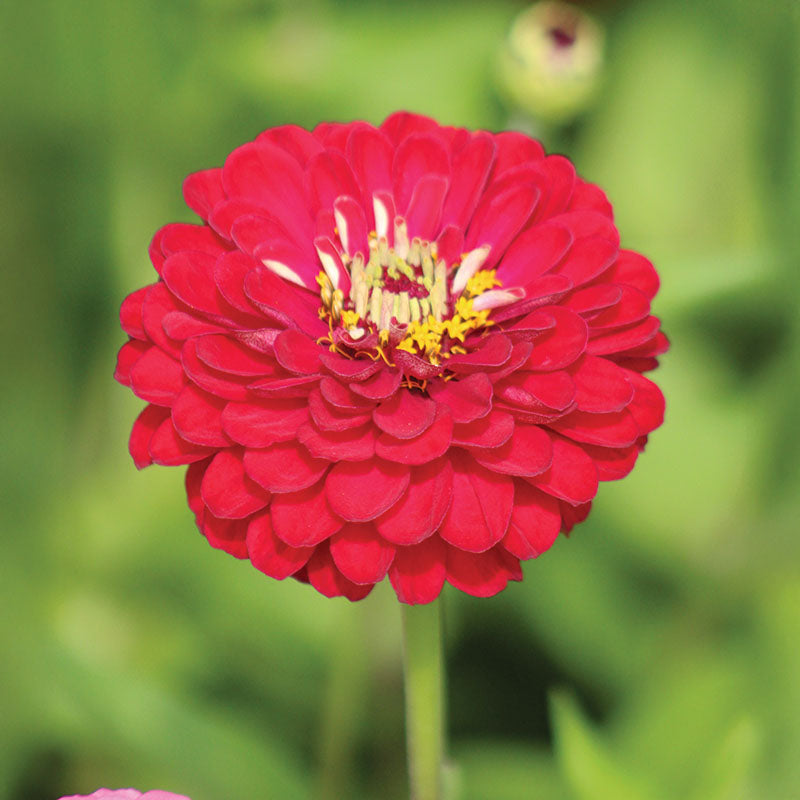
{"points": [[654, 654]]}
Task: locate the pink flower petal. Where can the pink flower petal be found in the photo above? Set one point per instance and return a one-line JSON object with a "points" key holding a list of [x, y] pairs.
{"points": [[157, 378], [402, 124], [528, 452], [572, 475], [283, 467], [612, 463], [197, 416], [351, 222], [350, 369], [360, 491], [203, 190], [425, 207], [601, 385], [297, 353], [179, 237], [370, 154], [326, 578], [562, 344], [634, 270], [328, 176], [360, 554], [468, 399], [284, 388], [227, 490], [128, 355], [230, 270], [647, 406], [586, 259], [515, 148], [339, 396], [535, 522], [421, 510], [296, 141], [230, 387], [190, 277], [493, 430], [418, 571], [633, 306], [270, 554], [471, 167], [261, 424], [405, 415], [382, 385], [480, 509], [228, 535], [450, 245], [429, 445], [493, 352], [304, 518], [355, 444], [171, 450], [130, 314], [481, 574], [146, 424], [419, 154], [224, 354]]}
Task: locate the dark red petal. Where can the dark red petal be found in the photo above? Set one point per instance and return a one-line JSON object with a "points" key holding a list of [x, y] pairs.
{"points": [[591, 300], [329, 175], [329, 418], [130, 314], [520, 352], [349, 369], [612, 463], [527, 453], [480, 509], [222, 353], [146, 424], [203, 190], [421, 510], [228, 491], [297, 353], [380, 386], [493, 352], [157, 378], [535, 522], [262, 424], [601, 385], [468, 399], [572, 515], [171, 450], [633, 306], [471, 167], [561, 345], [327, 580], [418, 572], [425, 208], [420, 154], [128, 355], [197, 417], [360, 554], [360, 491], [588, 222], [212, 380], [356, 444], [193, 481], [647, 406], [572, 475], [481, 574], [616, 429], [430, 444], [538, 391], [559, 176], [304, 518], [270, 554], [284, 467], [405, 415], [492, 430]]}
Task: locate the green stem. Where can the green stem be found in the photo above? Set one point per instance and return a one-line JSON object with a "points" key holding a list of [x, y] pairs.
{"points": [[422, 633]]}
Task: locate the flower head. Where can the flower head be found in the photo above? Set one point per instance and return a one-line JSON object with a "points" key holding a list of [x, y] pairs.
{"points": [[409, 350], [126, 794]]}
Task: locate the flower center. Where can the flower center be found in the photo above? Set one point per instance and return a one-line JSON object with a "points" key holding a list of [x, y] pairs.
{"points": [[409, 296]]}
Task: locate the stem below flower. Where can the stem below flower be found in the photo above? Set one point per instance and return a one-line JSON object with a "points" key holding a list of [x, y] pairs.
{"points": [[422, 634]]}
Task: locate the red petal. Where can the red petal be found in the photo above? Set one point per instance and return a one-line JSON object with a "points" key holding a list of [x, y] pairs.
{"points": [[647, 407], [170, 450], [271, 555], [351, 224], [128, 355], [326, 579], [212, 380], [535, 522], [572, 475], [226, 534], [418, 572], [533, 253], [329, 175], [230, 271], [380, 386], [273, 388], [425, 208], [633, 306], [481, 507], [297, 353], [633, 336], [612, 463], [617, 429], [601, 385], [180, 326], [146, 424], [190, 277], [421, 510], [471, 167], [339, 396], [263, 424], [360, 491], [329, 418], [401, 124], [450, 245], [360, 554], [178, 237], [562, 344], [304, 518], [295, 140], [228, 491], [587, 258], [197, 417], [370, 154], [492, 430], [357, 444], [158, 302], [481, 574], [405, 415], [468, 399], [228, 355], [431, 444], [350, 369], [157, 378], [203, 190], [130, 314], [515, 148], [420, 154], [494, 351], [527, 453], [284, 467], [634, 270]]}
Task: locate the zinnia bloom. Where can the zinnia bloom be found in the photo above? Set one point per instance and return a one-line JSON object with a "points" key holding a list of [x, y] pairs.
{"points": [[410, 350], [126, 794]]}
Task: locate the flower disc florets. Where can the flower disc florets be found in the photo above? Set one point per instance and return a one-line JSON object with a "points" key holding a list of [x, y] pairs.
{"points": [[407, 351]]}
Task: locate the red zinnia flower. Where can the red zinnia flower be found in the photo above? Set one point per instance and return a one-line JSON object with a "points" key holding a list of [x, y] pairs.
{"points": [[410, 350]]}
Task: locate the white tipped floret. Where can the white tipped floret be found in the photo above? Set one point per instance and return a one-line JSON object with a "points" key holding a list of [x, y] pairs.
{"points": [[495, 298], [401, 243], [470, 264], [281, 270]]}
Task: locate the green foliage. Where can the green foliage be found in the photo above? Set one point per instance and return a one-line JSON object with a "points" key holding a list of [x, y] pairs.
{"points": [[653, 655]]}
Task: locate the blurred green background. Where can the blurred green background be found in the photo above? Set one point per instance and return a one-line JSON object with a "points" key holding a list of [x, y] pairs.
{"points": [[654, 654]]}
